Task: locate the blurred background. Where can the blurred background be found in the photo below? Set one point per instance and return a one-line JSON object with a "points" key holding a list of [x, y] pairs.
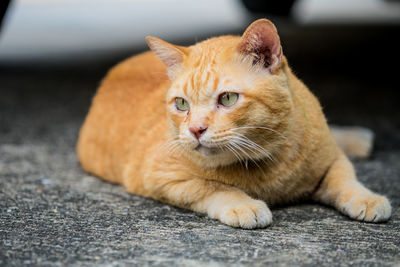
{"points": [[53, 53]]}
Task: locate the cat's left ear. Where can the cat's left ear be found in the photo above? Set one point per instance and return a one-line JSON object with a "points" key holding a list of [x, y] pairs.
{"points": [[261, 41], [172, 55]]}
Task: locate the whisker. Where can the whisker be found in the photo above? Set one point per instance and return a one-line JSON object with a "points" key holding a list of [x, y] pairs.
{"points": [[234, 147], [259, 167], [234, 152], [260, 127], [250, 147], [167, 144], [174, 149], [237, 146], [260, 148], [247, 143], [254, 145], [172, 145]]}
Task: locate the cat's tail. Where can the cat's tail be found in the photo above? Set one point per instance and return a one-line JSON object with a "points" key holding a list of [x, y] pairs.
{"points": [[356, 142]]}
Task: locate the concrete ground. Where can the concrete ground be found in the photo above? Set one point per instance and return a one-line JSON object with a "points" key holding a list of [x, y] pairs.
{"points": [[53, 213]]}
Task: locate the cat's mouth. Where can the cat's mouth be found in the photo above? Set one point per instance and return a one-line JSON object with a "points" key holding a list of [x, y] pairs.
{"points": [[207, 151]]}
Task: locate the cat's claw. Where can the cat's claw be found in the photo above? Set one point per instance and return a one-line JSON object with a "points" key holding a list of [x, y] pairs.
{"points": [[372, 208], [251, 215]]}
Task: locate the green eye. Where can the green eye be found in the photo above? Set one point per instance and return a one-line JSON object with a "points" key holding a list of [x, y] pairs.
{"points": [[181, 104], [228, 99]]}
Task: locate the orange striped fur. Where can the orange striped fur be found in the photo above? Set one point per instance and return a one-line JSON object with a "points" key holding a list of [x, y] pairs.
{"points": [[272, 146]]}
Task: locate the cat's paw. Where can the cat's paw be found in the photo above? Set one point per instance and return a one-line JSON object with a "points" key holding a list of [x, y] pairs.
{"points": [[371, 208], [250, 214]]}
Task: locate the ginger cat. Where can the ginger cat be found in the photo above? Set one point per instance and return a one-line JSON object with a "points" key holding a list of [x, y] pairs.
{"points": [[231, 131]]}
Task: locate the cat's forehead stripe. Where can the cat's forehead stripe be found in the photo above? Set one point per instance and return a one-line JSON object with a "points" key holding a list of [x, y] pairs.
{"points": [[192, 82], [184, 88], [216, 82], [207, 77], [201, 79]]}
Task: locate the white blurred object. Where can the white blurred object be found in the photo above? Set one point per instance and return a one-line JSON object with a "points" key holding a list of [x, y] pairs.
{"points": [[47, 30], [346, 11], [36, 29]]}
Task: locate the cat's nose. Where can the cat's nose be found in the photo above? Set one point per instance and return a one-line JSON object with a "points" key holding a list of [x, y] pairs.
{"points": [[197, 131]]}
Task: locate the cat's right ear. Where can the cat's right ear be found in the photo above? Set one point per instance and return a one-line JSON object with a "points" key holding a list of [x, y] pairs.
{"points": [[261, 42], [172, 55]]}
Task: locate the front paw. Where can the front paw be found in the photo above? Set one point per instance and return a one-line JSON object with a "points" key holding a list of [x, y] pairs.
{"points": [[371, 208], [247, 214]]}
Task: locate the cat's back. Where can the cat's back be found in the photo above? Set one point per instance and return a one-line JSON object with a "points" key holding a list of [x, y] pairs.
{"points": [[128, 103]]}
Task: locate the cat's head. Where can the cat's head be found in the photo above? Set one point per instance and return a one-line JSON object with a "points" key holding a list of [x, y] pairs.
{"points": [[229, 100]]}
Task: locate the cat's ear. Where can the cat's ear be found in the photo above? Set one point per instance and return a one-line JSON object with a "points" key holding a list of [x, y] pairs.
{"points": [[172, 55], [261, 41]]}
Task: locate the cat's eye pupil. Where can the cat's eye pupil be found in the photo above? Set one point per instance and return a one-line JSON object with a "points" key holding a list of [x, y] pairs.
{"points": [[228, 99], [181, 104]]}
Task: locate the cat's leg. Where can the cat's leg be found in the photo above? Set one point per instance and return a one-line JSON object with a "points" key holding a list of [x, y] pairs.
{"points": [[341, 189], [225, 203]]}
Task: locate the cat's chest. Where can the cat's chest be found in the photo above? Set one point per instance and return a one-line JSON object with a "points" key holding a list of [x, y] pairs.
{"points": [[270, 183], [253, 178]]}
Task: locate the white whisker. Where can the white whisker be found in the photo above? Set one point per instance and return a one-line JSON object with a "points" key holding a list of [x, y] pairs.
{"points": [[253, 145], [255, 163], [172, 145], [249, 147], [260, 127], [234, 152], [167, 144]]}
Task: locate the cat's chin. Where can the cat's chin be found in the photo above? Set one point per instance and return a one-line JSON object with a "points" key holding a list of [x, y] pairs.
{"points": [[211, 157], [207, 151]]}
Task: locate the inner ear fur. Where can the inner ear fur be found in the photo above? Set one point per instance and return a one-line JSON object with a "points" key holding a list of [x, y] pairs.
{"points": [[172, 55], [262, 42]]}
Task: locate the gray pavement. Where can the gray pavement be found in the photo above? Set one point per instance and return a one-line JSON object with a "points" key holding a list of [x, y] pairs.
{"points": [[53, 213]]}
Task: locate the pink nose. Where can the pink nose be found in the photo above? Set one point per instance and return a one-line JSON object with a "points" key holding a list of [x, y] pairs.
{"points": [[197, 131]]}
